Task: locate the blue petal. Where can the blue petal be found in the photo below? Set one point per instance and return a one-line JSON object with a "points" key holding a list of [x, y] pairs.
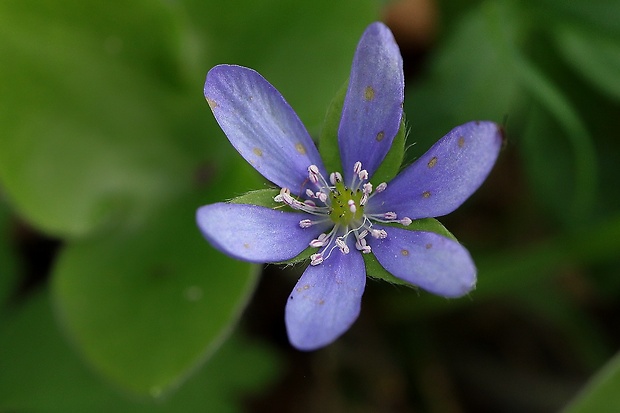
{"points": [[372, 108], [255, 233], [433, 262], [445, 176], [261, 125], [326, 300]]}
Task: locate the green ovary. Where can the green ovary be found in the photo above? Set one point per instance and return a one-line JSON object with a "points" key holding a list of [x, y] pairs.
{"points": [[341, 211]]}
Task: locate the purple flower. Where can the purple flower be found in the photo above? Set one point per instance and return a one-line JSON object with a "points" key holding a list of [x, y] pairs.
{"points": [[341, 213]]}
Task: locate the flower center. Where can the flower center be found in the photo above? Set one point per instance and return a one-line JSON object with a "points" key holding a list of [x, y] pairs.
{"points": [[346, 206]]}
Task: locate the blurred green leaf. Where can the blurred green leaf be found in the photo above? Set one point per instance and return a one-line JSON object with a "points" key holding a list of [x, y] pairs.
{"points": [[549, 165], [601, 394], [468, 78], [84, 137], [8, 262], [594, 55], [600, 15], [40, 373], [578, 200], [146, 306], [583, 173]]}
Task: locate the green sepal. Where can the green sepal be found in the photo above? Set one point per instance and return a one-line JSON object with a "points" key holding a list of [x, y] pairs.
{"points": [[328, 140], [375, 270], [302, 257], [261, 197], [330, 152]]}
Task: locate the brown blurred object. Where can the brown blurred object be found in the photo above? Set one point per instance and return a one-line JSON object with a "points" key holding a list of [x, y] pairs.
{"points": [[413, 22]]}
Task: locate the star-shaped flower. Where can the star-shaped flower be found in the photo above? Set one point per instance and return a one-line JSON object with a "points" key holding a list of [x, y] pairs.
{"points": [[342, 215]]}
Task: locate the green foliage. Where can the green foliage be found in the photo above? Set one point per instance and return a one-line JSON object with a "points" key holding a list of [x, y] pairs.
{"points": [[595, 55], [41, 373], [8, 264], [601, 393], [150, 299]]}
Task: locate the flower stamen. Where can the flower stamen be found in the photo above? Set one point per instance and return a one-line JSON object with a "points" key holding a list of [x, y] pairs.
{"points": [[342, 205]]}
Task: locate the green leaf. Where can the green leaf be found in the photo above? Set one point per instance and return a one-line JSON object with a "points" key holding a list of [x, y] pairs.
{"points": [[545, 92], [146, 305], [550, 176], [468, 78], [594, 55], [601, 15], [8, 261], [42, 373], [84, 139], [602, 393], [375, 270]]}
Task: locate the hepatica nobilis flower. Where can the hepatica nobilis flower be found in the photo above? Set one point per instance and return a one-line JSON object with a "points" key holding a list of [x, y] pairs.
{"points": [[343, 215]]}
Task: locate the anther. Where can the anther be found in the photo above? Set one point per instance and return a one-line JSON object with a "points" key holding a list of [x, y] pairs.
{"points": [[320, 241], [316, 259], [357, 167], [406, 221], [381, 187], [313, 174], [344, 248], [335, 177], [364, 199], [378, 233], [390, 215], [363, 175], [305, 223]]}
